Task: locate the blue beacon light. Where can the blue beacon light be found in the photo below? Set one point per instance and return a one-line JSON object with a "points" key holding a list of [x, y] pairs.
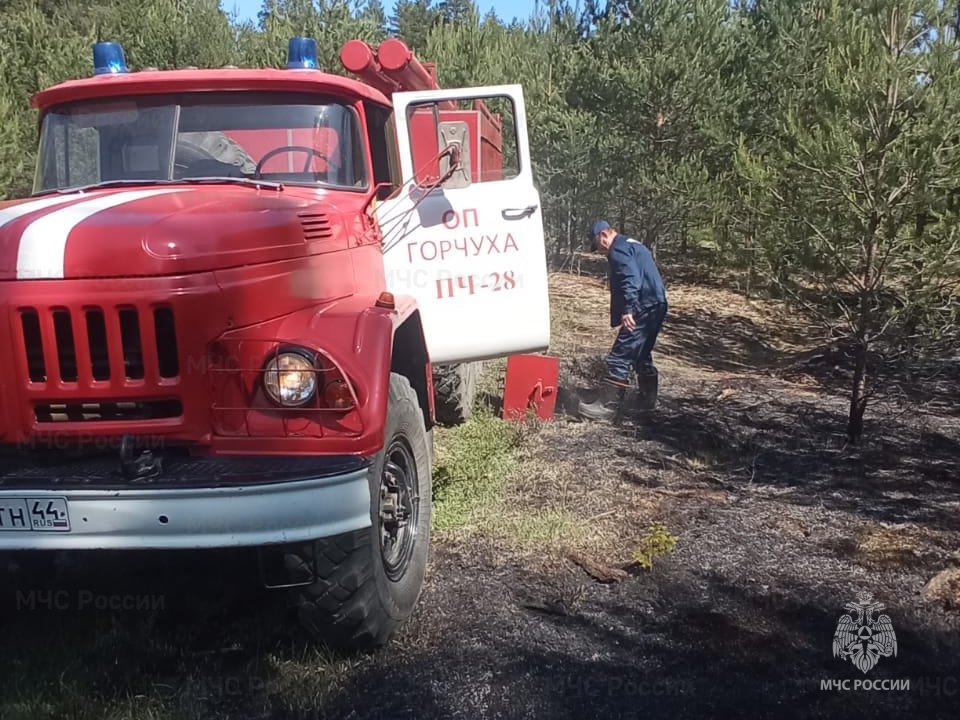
{"points": [[302, 53], [108, 59]]}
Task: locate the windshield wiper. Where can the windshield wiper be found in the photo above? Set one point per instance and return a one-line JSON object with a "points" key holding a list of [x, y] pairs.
{"points": [[249, 182], [95, 186]]}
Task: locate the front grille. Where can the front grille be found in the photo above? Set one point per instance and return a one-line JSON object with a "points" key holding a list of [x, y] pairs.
{"points": [[33, 341], [166, 334], [64, 345], [97, 335], [54, 412], [132, 344], [316, 226]]}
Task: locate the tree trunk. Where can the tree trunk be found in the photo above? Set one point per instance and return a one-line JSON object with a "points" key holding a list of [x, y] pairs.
{"points": [[858, 394], [858, 397]]}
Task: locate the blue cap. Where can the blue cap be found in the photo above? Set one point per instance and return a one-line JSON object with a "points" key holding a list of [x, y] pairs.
{"points": [[302, 53], [598, 227], [108, 59]]}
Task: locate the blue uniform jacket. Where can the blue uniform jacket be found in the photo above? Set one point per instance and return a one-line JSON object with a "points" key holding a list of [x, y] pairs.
{"points": [[635, 281]]}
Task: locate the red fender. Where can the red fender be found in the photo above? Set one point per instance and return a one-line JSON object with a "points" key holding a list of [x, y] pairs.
{"points": [[354, 337]]}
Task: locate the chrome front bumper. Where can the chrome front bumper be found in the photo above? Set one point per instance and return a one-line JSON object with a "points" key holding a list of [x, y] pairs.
{"points": [[198, 517]]}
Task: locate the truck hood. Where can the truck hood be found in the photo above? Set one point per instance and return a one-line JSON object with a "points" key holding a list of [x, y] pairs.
{"points": [[159, 230]]}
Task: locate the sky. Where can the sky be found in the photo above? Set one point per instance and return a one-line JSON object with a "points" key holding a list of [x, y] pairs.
{"points": [[505, 9]]}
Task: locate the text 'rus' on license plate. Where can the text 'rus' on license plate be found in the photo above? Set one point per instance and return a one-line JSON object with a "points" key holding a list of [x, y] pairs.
{"points": [[27, 514]]}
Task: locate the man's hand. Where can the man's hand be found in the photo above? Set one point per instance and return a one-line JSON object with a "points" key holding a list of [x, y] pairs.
{"points": [[628, 322]]}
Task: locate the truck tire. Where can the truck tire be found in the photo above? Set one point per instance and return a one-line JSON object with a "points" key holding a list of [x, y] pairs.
{"points": [[367, 587], [455, 391]]}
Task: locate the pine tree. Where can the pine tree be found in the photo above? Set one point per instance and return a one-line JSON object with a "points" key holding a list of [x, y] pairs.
{"points": [[456, 11], [373, 12], [868, 146], [412, 21]]}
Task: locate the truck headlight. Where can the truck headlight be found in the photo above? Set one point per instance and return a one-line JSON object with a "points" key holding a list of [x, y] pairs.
{"points": [[290, 379]]}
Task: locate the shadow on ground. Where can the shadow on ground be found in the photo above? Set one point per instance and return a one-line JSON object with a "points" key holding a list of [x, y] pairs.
{"points": [[898, 474], [187, 634], [662, 646], [719, 342]]}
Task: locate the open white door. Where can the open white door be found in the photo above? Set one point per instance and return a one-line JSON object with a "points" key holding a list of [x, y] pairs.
{"points": [[471, 251]]}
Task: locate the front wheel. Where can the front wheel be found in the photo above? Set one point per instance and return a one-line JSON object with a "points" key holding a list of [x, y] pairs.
{"points": [[368, 581]]}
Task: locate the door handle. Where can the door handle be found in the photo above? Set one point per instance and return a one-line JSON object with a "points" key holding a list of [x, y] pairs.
{"points": [[518, 214]]}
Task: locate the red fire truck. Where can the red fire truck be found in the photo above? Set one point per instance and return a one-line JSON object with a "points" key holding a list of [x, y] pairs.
{"points": [[223, 308]]}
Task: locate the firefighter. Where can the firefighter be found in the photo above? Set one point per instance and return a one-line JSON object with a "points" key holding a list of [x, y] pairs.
{"points": [[638, 305]]}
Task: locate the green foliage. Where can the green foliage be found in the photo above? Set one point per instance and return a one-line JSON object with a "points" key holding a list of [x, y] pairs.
{"points": [[412, 21], [657, 541], [849, 197]]}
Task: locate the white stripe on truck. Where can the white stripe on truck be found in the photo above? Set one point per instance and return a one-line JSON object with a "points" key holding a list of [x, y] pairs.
{"points": [[43, 245], [8, 215]]}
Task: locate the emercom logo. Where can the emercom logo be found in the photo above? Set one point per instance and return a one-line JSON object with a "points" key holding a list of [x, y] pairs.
{"points": [[862, 638]]}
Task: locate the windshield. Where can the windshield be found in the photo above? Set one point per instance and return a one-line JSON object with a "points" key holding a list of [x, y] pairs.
{"points": [[269, 136]]}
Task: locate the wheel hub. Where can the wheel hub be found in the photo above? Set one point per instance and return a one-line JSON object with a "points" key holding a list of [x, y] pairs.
{"points": [[399, 508]]}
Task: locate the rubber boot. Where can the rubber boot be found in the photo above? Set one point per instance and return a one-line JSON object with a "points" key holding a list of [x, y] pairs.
{"points": [[648, 388], [607, 404]]}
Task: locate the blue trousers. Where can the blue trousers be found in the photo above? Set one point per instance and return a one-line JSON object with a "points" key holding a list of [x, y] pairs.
{"points": [[634, 350]]}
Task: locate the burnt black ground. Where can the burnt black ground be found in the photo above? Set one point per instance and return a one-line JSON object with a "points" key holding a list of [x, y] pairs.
{"points": [[737, 622], [678, 642], [674, 644]]}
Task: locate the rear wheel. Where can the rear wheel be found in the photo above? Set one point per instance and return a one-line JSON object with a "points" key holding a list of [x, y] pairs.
{"points": [[455, 391], [368, 581]]}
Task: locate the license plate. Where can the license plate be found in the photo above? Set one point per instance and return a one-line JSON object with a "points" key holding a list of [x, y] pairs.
{"points": [[30, 514]]}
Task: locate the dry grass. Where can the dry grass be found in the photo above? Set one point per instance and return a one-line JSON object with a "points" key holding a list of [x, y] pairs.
{"points": [[534, 530], [567, 491], [894, 544], [309, 680], [787, 329], [580, 316], [944, 588], [579, 306]]}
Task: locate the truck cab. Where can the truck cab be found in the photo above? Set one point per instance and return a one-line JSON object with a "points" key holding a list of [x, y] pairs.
{"points": [[222, 308]]}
